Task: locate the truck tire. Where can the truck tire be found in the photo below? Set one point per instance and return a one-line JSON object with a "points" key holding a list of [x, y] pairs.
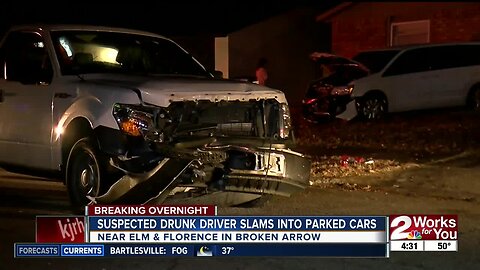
{"points": [[85, 173]]}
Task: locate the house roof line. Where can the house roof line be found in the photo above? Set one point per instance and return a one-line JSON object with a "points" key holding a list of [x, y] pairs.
{"points": [[333, 11]]}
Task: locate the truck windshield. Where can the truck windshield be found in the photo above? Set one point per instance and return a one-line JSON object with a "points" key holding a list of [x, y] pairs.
{"points": [[80, 52]]}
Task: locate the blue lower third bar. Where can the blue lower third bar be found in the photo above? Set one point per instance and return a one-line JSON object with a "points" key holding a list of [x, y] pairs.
{"points": [[301, 250], [207, 250], [37, 250]]}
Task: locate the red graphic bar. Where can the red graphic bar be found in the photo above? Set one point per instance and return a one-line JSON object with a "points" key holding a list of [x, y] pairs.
{"points": [[151, 210], [60, 229]]}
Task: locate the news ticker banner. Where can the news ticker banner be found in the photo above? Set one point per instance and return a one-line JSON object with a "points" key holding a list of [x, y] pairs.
{"points": [[193, 230], [206, 250]]}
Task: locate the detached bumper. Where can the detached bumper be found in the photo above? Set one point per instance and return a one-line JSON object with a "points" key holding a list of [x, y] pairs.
{"points": [[350, 111]]}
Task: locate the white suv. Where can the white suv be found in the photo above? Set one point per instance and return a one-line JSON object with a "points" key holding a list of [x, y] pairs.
{"points": [[418, 77], [131, 117]]}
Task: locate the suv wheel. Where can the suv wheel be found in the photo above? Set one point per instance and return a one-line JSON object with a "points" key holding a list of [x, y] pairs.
{"points": [[84, 173], [373, 107]]}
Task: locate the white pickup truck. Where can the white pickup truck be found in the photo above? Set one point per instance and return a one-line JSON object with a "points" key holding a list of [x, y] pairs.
{"points": [[129, 117]]}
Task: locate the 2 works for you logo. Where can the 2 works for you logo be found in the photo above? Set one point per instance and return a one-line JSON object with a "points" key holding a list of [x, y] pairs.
{"points": [[423, 227]]}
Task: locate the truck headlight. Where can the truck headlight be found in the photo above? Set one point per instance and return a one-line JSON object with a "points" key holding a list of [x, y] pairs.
{"points": [[342, 90], [285, 121], [132, 120]]}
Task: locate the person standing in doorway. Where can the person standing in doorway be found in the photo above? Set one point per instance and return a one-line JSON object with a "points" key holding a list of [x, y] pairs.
{"points": [[261, 71]]}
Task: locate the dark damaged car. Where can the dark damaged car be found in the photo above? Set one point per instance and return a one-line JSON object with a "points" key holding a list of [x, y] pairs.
{"points": [[327, 96], [130, 117]]}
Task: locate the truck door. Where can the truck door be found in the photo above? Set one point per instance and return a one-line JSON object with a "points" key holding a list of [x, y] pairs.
{"points": [[25, 101]]}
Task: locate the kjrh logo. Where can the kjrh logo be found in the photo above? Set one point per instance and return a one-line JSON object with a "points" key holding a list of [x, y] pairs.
{"points": [[70, 229]]}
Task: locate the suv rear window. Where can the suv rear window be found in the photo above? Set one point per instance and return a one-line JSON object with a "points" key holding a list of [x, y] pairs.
{"points": [[452, 56]]}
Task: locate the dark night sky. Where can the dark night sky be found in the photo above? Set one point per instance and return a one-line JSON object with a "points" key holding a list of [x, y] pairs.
{"points": [[178, 17]]}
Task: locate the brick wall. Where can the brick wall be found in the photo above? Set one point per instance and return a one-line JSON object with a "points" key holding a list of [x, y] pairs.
{"points": [[365, 26], [286, 41]]}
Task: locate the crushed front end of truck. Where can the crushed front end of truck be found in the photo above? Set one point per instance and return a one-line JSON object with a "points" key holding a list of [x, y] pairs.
{"points": [[202, 147]]}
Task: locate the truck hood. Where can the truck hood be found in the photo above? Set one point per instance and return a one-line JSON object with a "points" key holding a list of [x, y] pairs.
{"points": [[162, 90]]}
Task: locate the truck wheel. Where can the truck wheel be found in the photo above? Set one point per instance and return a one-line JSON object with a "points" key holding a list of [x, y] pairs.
{"points": [[84, 173]]}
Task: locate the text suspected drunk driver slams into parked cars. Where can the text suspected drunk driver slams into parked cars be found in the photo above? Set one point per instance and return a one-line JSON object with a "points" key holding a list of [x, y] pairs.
{"points": [[212, 223]]}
